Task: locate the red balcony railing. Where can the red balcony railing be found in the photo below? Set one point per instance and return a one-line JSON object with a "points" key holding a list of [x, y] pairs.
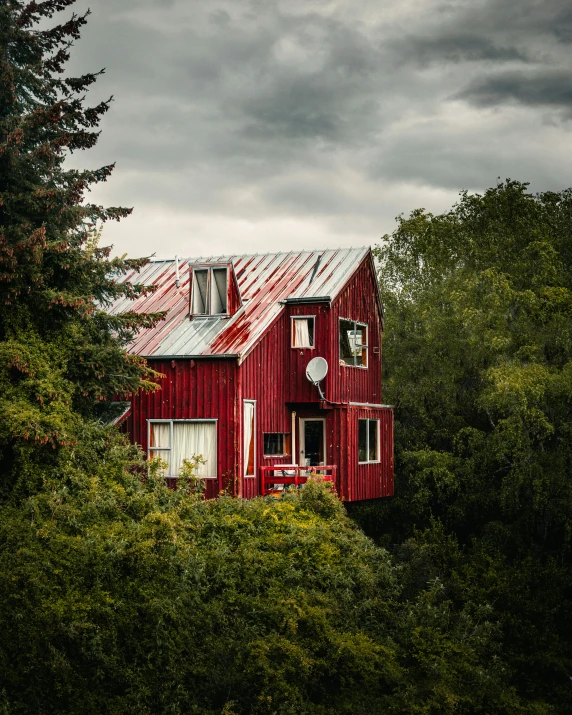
{"points": [[275, 478]]}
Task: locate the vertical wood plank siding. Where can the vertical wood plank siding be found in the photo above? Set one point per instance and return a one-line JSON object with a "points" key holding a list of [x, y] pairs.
{"points": [[274, 375], [192, 389], [265, 379]]}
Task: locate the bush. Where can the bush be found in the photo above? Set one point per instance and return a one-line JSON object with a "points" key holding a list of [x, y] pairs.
{"points": [[118, 595]]}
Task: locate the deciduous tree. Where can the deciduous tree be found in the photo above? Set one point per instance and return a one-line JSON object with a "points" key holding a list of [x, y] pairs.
{"points": [[478, 361]]}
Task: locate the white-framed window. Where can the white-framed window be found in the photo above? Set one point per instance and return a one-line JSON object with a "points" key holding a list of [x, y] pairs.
{"points": [[303, 331], [209, 290], [368, 441], [276, 444], [176, 440], [353, 343], [249, 434]]}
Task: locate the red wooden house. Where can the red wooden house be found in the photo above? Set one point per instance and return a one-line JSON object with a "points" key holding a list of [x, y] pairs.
{"points": [[234, 349]]}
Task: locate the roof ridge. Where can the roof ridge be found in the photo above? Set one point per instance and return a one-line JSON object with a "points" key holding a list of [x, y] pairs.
{"points": [[194, 259]]}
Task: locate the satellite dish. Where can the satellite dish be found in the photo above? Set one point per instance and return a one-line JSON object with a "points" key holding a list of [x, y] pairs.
{"points": [[316, 370]]}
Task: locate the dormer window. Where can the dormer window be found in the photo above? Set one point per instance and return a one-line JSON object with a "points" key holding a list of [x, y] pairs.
{"points": [[209, 293]]}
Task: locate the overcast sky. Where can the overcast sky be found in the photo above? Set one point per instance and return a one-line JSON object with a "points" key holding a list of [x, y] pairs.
{"points": [[260, 125]]}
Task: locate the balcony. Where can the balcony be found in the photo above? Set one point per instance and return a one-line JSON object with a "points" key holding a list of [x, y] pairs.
{"points": [[274, 479]]}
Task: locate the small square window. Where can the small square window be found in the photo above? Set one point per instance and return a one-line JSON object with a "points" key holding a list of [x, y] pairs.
{"points": [[303, 332], [276, 443], [368, 441]]}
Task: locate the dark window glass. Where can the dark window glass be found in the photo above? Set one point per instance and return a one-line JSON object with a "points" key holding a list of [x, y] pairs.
{"points": [[362, 441], [368, 448], [314, 442], [311, 330], [373, 440], [353, 346], [346, 354], [273, 443]]}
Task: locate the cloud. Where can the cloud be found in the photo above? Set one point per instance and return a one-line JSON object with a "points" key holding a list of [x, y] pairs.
{"points": [[299, 118], [455, 47], [543, 88]]}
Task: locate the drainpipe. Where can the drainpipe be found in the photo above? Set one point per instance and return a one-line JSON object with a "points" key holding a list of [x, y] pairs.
{"points": [[178, 281]]}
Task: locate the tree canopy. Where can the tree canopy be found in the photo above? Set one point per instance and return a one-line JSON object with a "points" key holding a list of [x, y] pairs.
{"points": [[61, 353], [478, 361], [119, 595]]}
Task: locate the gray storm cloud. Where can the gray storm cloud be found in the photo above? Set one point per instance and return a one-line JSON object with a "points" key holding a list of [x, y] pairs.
{"points": [[240, 124]]}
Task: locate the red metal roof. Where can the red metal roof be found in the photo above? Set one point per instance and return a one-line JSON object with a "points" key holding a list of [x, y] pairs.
{"points": [[266, 283]]}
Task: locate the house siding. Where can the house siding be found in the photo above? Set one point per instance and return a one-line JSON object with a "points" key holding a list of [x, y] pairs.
{"points": [[193, 389], [273, 374]]}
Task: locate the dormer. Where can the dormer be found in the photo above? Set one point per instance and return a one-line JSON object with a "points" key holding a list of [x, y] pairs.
{"points": [[214, 290]]}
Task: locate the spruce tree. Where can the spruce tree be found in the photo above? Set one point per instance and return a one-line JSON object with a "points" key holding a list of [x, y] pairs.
{"points": [[62, 354]]}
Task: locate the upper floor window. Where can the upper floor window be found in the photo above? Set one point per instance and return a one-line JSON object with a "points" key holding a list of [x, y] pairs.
{"points": [[209, 291], [353, 343], [303, 331]]}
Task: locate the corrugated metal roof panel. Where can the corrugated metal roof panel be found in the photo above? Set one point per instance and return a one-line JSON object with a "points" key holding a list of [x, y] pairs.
{"points": [[265, 281]]}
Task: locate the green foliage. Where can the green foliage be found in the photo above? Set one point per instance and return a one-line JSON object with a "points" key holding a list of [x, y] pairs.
{"points": [[118, 595], [478, 361], [61, 353]]}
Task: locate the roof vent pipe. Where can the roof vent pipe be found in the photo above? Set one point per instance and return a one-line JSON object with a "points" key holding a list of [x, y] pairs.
{"points": [[178, 280]]}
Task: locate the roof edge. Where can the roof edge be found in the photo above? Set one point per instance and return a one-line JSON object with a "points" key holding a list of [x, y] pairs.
{"points": [[200, 356], [308, 299]]}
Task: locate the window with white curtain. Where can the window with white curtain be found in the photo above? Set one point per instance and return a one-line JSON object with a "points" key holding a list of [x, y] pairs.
{"points": [[176, 440], [249, 438], [303, 332]]}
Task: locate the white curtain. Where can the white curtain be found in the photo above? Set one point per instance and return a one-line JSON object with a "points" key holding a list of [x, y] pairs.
{"points": [[160, 436], [192, 439], [301, 334], [248, 434]]}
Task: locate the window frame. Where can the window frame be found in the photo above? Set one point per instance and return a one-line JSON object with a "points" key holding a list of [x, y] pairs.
{"points": [[378, 440], [365, 347], [170, 448], [302, 317], [210, 268], [244, 456], [286, 445], [302, 440]]}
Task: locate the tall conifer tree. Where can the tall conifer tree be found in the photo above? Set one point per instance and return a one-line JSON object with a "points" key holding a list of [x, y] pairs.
{"points": [[61, 353]]}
